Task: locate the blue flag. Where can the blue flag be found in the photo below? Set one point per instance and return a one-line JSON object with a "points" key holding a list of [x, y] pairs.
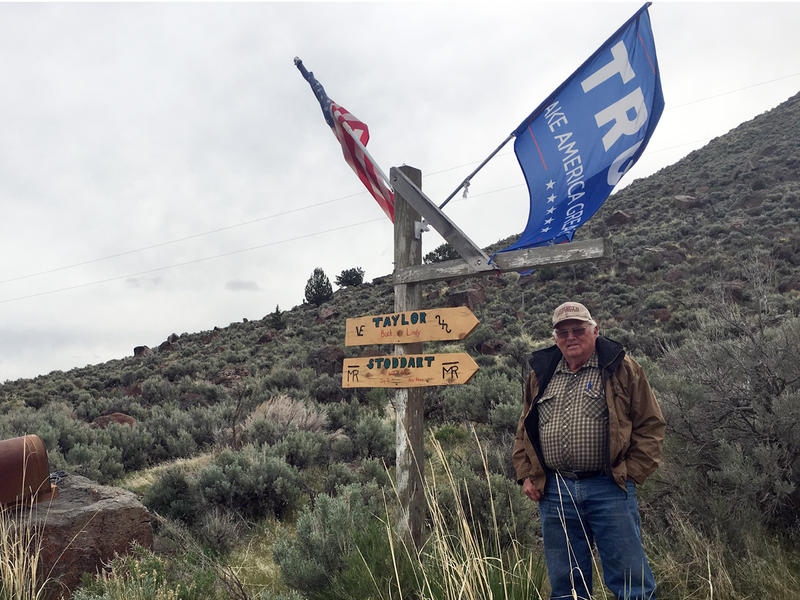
{"points": [[575, 147]]}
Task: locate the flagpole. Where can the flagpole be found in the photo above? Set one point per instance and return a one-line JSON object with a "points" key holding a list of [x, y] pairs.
{"points": [[471, 175], [363, 148], [319, 92]]}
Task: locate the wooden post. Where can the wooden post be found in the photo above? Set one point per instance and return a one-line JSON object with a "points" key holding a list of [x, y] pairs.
{"points": [[408, 402]]}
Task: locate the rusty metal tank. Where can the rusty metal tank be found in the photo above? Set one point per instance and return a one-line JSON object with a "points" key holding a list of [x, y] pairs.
{"points": [[24, 471]]}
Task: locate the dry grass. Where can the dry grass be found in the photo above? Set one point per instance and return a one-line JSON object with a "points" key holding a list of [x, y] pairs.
{"points": [[20, 551], [140, 481], [457, 561], [285, 412]]}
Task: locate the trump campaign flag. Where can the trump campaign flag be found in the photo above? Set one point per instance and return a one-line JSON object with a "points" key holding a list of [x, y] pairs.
{"points": [[353, 136], [575, 147]]}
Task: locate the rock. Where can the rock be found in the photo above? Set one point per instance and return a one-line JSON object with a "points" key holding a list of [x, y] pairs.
{"points": [[104, 421], [173, 337], [675, 275], [166, 346], [267, 337], [686, 201], [662, 315], [327, 360], [491, 346], [86, 526], [471, 297], [326, 312], [142, 351], [619, 217], [230, 375]]}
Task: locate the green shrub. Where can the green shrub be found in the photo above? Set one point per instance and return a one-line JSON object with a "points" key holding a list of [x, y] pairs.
{"points": [[337, 475], [142, 575], [250, 481], [504, 417], [373, 437], [158, 391], [731, 397], [263, 431], [342, 448], [132, 442], [99, 462], [451, 435], [303, 449], [474, 401], [326, 536], [175, 495], [325, 388]]}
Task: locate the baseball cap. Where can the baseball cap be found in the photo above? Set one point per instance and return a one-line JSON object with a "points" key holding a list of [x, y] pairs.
{"points": [[571, 310]]}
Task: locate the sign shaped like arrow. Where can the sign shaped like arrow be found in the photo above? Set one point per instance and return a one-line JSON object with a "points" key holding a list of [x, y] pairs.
{"points": [[408, 370], [427, 325]]}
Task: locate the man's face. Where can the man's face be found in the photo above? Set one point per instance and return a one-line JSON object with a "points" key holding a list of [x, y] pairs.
{"points": [[576, 340]]}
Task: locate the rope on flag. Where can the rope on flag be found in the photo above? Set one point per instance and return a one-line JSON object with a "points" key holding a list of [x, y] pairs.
{"points": [[353, 136]]}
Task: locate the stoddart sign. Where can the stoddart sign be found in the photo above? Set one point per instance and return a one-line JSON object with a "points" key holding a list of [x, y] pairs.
{"points": [[429, 325], [408, 370]]}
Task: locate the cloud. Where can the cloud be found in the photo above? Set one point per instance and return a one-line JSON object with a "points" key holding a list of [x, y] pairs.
{"points": [[238, 285]]}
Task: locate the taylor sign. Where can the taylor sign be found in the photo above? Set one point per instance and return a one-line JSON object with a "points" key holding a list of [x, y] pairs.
{"points": [[429, 325], [408, 370]]}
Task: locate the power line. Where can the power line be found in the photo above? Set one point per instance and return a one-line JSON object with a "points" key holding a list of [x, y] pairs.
{"points": [[185, 263], [317, 204], [741, 89], [176, 240]]}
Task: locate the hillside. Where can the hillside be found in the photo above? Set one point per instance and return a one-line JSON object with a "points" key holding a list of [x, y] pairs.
{"points": [[706, 257]]}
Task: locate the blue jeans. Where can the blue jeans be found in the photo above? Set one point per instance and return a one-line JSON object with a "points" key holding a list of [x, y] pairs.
{"points": [[577, 513]]}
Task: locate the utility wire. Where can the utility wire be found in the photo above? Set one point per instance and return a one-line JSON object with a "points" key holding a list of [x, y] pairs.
{"points": [[188, 262], [315, 205], [176, 240]]}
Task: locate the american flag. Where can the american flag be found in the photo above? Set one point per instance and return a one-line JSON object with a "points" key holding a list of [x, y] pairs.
{"points": [[353, 136]]}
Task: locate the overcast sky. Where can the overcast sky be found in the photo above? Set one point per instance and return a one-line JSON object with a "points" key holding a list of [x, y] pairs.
{"points": [[164, 167]]}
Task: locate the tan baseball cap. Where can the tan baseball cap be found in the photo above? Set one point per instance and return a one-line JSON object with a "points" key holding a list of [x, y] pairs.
{"points": [[571, 310]]}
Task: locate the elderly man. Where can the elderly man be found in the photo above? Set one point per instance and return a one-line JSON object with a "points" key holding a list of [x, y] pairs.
{"points": [[590, 430]]}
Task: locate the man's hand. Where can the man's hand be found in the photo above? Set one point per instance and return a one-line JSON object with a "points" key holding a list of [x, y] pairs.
{"points": [[530, 490]]}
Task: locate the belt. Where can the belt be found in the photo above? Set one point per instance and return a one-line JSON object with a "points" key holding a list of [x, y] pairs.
{"points": [[578, 474]]}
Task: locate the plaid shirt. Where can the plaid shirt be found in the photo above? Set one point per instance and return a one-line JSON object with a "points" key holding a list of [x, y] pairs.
{"points": [[573, 418]]}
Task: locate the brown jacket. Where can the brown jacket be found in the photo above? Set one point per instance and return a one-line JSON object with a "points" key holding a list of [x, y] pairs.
{"points": [[635, 423]]}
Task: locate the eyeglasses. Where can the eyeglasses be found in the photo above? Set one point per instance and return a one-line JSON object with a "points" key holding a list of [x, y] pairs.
{"points": [[563, 334]]}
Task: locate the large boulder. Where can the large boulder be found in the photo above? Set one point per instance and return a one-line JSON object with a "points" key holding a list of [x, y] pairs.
{"points": [[472, 297], [85, 527]]}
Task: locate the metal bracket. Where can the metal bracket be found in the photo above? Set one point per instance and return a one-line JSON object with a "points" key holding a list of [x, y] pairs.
{"points": [[420, 227], [475, 258]]}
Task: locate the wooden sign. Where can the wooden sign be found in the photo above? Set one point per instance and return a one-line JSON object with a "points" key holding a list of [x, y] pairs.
{"points": [[408, 370], [428, 325]]}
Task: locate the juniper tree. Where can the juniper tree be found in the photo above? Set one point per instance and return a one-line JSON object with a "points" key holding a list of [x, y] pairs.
{"points": [[318, 288], [354, 276]]}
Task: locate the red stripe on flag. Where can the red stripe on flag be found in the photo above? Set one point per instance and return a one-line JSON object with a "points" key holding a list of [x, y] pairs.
{"points": [[537, 147], [358, 161], [646, 53]]}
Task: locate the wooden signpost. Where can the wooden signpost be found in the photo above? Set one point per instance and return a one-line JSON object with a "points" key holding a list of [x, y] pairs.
{"points": [[408, 371], [411, 207], [429, 325]]}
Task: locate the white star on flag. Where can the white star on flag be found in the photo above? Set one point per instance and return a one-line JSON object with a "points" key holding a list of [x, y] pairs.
{"points": [[551, 210], [545, 230], [550, 184], [551, 198], [548, 221]]}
